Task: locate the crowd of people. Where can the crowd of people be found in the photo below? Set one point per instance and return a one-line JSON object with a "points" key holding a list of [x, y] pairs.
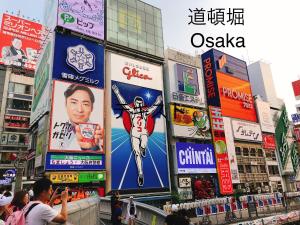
{"points": [[33, 207]]}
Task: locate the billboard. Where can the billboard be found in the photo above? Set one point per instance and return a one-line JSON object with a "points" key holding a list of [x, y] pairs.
{"points": [[236, 97], [222, 159], [20, 42], [87, 177], [243, 130], [186, 84], [189, 122], [85, 17], [264, 116], [281, 136], [41, 87], [74, 162], [78, 60], [61, 178], [269, 141], [139, 152], [195, 158], [296, 88], [231, 151], [41, 143], [296, 118], [76, 123]]}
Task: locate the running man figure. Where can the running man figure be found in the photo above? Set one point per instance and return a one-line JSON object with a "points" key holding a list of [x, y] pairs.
{"points": [[138, 134]]}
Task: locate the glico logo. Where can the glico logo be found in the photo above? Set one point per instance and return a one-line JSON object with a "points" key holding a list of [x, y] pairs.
{"points": [[133, 72]]}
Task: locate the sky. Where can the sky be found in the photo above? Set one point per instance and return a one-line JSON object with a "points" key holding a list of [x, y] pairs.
{"points": [[271, 32]]}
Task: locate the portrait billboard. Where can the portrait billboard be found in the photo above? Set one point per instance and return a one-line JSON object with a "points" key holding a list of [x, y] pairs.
{"points": [[74, 162], [189, 122], [20, 42], [243, 130], [85, 17], [76, 123], [236, 97], [138, 153], [185, 84], [195, 158], [265, 116], [231, 151], [222, 159], [78, 60]]}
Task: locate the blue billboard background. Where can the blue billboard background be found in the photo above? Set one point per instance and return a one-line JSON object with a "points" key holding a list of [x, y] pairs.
{"points": [[155, 163], [83, 63], [195, 158], [62, 166]]}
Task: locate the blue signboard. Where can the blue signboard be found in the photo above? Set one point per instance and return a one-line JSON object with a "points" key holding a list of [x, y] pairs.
{"points": [[195, 158], [56, 161], [78, 60], [210, 79], [139, 151], [296, 118]]}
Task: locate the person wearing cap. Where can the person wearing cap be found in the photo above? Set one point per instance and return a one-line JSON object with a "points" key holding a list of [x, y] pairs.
{"points": [[131, 211], [5, 211]]}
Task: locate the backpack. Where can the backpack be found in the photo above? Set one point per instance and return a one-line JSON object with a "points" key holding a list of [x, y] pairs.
{"points": [[19, 217]]}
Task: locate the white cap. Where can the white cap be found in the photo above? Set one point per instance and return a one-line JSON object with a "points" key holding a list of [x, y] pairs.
{"points": [[5, 200], [131, 197]]}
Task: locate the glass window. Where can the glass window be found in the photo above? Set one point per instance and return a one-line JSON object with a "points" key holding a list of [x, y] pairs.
{"points": [[241, 168], [245, 152], [262, 169], [260, 152], [238, 151], [19, 88], [254, 169], [252, 152], [248, 168]]}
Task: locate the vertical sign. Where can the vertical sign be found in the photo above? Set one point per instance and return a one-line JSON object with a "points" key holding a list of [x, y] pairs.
{"points": [[294, 157], [281, 136], [223, 168], [231, 151]]}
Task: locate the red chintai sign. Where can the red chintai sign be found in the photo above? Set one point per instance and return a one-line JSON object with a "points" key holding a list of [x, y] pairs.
{"points": [[223, 167]]}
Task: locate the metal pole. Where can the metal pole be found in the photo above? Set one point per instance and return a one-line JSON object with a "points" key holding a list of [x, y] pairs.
{"points": [[19, 175]]}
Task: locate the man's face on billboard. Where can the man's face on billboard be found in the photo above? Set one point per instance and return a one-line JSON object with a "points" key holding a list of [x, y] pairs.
{"points": [[79, 107], [17, 43]]}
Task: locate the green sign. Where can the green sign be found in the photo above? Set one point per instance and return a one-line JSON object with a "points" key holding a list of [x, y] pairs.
{"points": [[91, 177], [281, 137], [294, 157]]}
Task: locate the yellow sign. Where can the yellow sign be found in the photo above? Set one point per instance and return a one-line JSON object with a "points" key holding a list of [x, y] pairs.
{"points": [[64, 177]]}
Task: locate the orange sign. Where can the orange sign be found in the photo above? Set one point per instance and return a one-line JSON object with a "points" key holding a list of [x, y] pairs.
{"points": [[236, 97]]}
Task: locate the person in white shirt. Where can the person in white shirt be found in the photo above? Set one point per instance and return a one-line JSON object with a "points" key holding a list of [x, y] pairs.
{"points": [[131, 211], [42, 213]]}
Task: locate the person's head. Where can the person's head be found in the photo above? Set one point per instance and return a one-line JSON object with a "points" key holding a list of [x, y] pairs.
{"points": [[131, 198], [20, 199], [42, 189], [4, 202], [79, 103], [17, 43], [138, 102]]}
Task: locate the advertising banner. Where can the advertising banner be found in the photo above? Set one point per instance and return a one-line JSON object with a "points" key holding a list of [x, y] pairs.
{"points": [[246, 131], [13, 139], [139, 152], [74, 162], [4, 139], [85, 17], [195, 158], [78, 60], [41, 144], [190, 122], [41, 93], [20, 42], [76, 118], [186, 84], [88, 177], [296, 118], [185, 193], [297, 134], [281, 137], [294, 157], [296, 88], [265, 116], [231, 151], [219, 140], [269, 141], [236, 97], [58, 178]]}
